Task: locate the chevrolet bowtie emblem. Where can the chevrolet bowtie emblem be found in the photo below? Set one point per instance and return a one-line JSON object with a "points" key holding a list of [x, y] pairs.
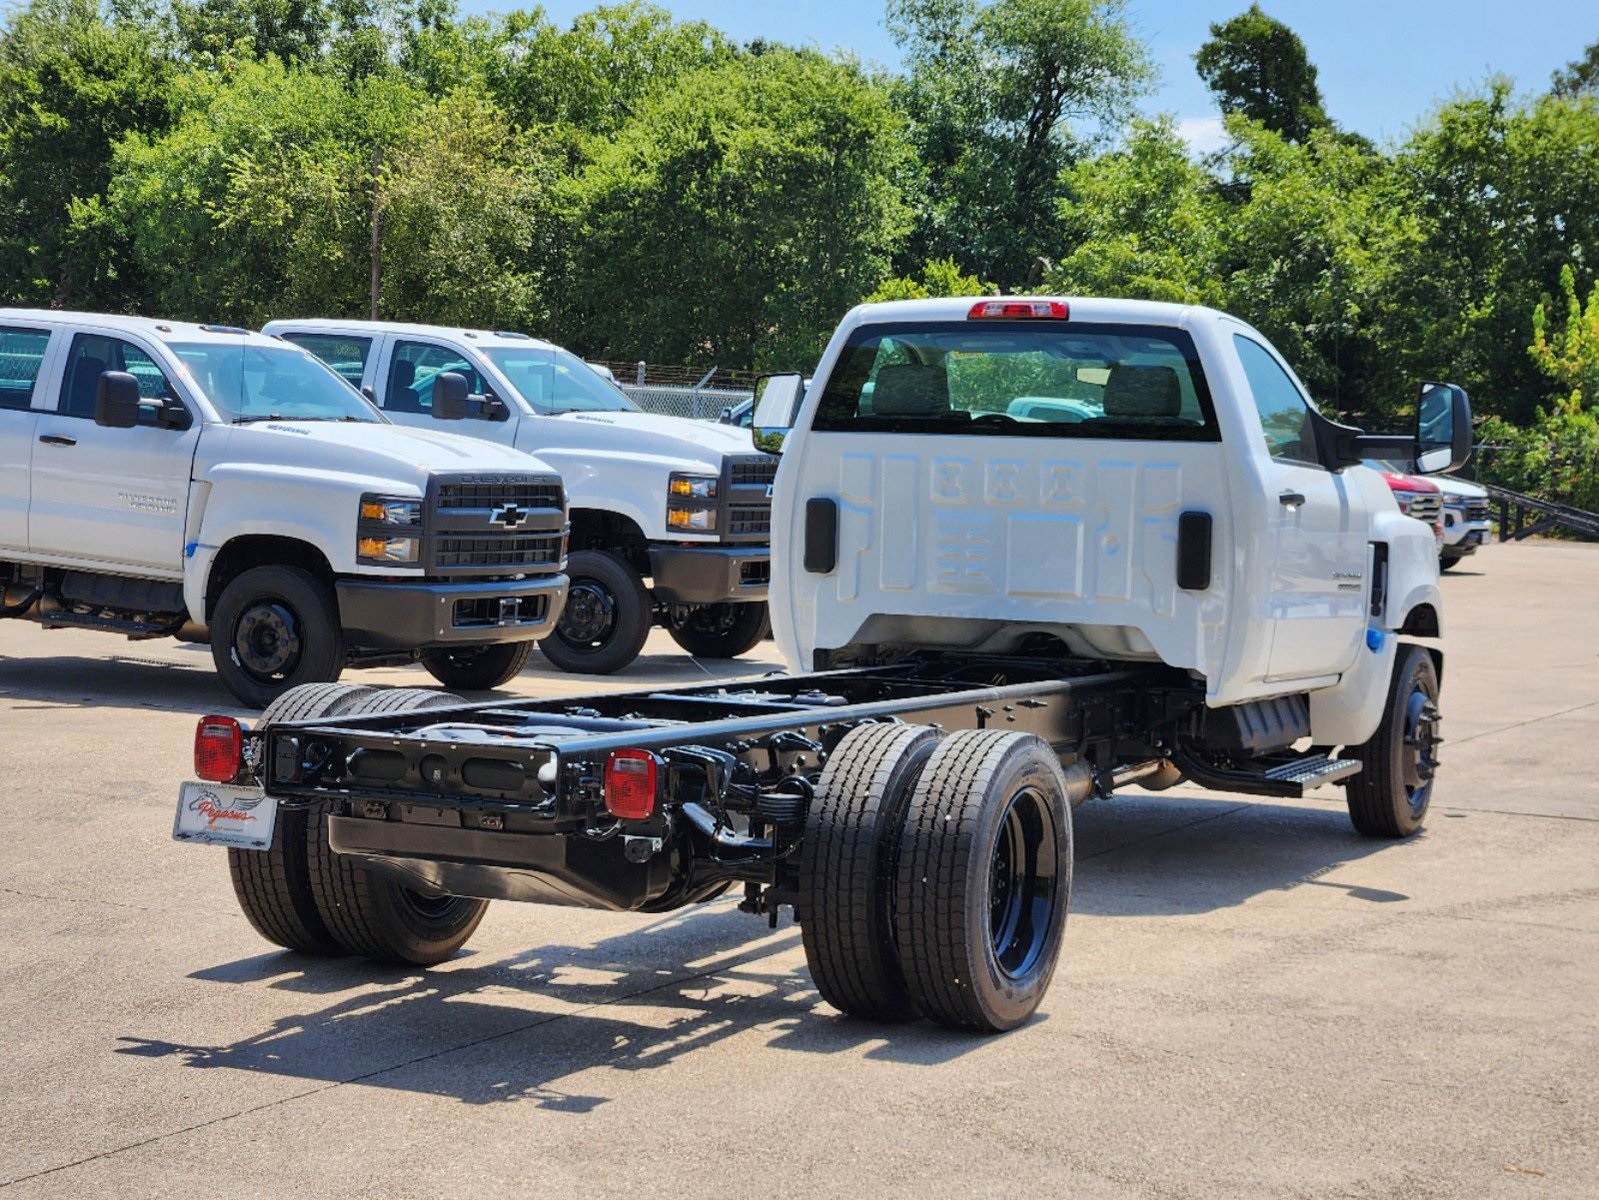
{"points": [[509, 516]]}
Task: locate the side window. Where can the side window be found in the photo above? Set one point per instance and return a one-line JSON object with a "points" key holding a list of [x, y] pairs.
{"points": [[94, 354], [1284, 411], [412, 370], [346, 354], [21, 356]]}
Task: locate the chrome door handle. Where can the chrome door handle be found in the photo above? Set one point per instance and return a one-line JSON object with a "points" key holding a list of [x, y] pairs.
{"points": [[56, 439]]}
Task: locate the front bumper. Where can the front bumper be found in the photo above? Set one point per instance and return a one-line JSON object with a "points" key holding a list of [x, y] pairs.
{"points": [[710, 574], [1463, 535], [380, 614]]}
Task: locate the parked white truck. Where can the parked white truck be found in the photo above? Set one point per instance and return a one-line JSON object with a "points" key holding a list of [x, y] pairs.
{"points": [[1175, 569], [685, 505], [165, 479]]}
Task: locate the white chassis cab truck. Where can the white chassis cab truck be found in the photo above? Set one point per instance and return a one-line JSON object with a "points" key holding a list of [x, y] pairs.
{"points": [[163, 479], [684, 505], [1164, 565]]}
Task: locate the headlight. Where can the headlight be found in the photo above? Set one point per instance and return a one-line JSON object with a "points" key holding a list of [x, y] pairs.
{"points": [[387, 550], [698, 487], [701, 520], [391, 510]]}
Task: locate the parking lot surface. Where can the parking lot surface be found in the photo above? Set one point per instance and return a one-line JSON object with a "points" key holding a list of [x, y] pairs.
{"points": [[1253, 1001]]}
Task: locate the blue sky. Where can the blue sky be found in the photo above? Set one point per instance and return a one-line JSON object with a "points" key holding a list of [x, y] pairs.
{"points": [[1384, 63]]}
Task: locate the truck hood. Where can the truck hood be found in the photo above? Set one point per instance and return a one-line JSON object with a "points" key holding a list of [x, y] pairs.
{"points": [[695, 442], [1450, 486], [361, 450]]}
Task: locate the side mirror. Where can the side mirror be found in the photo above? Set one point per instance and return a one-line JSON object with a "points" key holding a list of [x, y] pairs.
{"points": [[116, 400], [450, 397], [777, 401], [1443, 428]]}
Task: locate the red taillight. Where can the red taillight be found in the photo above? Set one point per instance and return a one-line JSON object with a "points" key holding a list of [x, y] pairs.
{"points": [[631, 777], [218, 749], [1019, 310]]}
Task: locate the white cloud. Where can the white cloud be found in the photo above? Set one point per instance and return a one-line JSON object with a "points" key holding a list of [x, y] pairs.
{"points": [[1204, 135]]}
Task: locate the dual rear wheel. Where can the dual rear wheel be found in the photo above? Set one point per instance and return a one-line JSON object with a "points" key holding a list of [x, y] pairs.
{"points": [[936, 876], [302, 896]]}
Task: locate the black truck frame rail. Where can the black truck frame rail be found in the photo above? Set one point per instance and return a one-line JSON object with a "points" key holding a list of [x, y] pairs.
{"points": [[508, 800]]}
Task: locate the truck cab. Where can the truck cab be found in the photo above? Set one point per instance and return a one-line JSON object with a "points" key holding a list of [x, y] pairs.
{"points": [[1179, 500], [670, 517], [161, 479]]}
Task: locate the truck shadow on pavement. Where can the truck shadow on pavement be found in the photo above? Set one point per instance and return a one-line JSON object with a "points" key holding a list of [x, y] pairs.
{"points": [[534, 1026]]}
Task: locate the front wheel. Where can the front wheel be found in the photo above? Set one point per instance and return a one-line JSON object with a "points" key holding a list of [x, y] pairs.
{"points": [[1389, 797], [607, 617], [478, 668], [275, 628], [721, 630]]}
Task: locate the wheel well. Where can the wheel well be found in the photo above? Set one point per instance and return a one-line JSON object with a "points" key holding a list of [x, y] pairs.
{"points": [[595, 529], [260, 550], [1421, 621]]}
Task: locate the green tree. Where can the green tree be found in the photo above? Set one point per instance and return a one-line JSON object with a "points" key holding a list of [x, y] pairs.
{"points": [[258, 202], [1258, 67], [1570, 355], [941, 277], [1145, 222], [1504, 193], [1579, 77], [736, 215], [1000, 98], [72, 83]]}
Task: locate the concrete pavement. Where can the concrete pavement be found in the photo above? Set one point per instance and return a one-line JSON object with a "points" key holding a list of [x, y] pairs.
{"points": [[1253, 1001]]}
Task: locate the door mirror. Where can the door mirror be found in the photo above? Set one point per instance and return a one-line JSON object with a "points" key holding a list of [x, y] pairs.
{"points": [[116, 400], [1443, 428], [450, 396], [777, 401]]}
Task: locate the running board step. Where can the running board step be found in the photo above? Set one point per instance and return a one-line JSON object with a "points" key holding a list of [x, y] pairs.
{"points": [[1290, 780]]}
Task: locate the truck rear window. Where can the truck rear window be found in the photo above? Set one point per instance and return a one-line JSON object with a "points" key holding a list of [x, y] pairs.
{"points": [[1020, 379]]}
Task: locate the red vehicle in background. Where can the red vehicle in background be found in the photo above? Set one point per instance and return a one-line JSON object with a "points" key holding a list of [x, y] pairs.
{"points": [[1419, 498]]}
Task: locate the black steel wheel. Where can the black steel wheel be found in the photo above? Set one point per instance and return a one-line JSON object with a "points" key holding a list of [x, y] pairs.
{"points": [[846, 869], [274, 885], [1390, 796], [607, 617], [369, 912], [478, 668], [724, 630], [983, 879], [275, 628]]}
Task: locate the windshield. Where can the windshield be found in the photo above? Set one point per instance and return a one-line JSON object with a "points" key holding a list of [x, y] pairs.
{"points": [[1020, 379], [553, 381], [248, 382]]}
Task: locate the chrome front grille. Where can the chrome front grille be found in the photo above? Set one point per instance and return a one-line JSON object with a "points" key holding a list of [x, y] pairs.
{"points": [[1422, 506], [1476, 510]]}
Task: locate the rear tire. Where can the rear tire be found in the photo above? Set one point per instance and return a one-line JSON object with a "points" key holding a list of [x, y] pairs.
{"points": [[846, 869], [724, 630], [369, 913], [984, 880], [274, 885], [607, 618], [1389, 798], [275, 628], [478, 668]]}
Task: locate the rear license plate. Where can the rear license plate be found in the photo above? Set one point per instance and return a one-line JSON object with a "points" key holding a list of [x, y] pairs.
{"points": [[221, 814]]}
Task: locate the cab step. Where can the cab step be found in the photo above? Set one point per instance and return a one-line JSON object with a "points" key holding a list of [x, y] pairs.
{"points": [[1289, 779]]}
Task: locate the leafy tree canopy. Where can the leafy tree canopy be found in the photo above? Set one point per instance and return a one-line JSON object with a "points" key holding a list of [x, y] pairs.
{"points": [[1259, 68]]}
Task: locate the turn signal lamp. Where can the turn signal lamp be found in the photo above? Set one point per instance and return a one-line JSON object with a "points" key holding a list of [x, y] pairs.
{"points": [[218, 749], [631, 780]]}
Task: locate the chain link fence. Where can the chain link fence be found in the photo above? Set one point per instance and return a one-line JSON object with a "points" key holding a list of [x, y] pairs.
{"points": [[703, 404]]}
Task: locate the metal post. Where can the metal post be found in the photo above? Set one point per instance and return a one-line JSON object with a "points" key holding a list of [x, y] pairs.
{"points": [[640, 374]]}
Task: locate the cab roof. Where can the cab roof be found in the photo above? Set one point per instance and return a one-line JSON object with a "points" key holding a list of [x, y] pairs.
{"points": [[1081, 308], [481, 337], [152, 327]]}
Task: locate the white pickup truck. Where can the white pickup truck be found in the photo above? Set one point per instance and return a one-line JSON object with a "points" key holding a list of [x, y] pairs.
{"points": [[683, 504], [164, 479], [1169, 567]]}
